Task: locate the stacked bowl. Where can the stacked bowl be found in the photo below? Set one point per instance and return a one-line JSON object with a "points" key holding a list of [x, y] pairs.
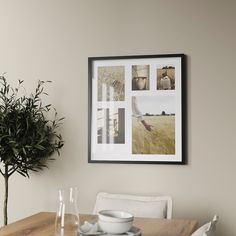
{"points": [[115, 222]]}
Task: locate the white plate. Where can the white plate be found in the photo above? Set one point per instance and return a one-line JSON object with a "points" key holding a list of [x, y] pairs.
{"points": [[91, 234], [134, 231]]}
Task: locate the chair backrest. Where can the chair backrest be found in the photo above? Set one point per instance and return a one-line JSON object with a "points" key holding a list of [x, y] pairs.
{"points": [[208, 229], [139, 206]]}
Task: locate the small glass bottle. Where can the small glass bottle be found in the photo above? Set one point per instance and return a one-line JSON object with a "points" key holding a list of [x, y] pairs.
{"points": [[67, 218]]}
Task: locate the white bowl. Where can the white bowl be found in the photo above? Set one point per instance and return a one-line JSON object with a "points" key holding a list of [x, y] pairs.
{"points": [[115, 227], [115, 216]]}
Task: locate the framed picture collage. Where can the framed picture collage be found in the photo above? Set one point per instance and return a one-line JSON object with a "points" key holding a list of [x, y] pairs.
{"points": [[137, 109]]}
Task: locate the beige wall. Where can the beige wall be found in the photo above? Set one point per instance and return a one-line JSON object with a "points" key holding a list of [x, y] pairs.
{"points": [[52, 39]]}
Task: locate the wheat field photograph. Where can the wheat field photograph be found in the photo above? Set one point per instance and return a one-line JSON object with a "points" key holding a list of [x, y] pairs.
{"points": [[157, 113], [161, 140]]}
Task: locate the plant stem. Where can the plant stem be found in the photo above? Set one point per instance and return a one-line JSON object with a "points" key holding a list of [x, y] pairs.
{"points": [[6, 177]]}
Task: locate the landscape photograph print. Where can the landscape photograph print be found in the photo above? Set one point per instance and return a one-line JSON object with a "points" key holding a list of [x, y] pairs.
{"points": [[153, 125]]}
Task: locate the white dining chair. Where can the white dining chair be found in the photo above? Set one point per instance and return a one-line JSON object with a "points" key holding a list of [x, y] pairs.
{"points": [[139, 206], [208, 229]]}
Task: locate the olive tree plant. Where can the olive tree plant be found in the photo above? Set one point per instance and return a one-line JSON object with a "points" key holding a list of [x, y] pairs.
{"points": [[27, 137]]}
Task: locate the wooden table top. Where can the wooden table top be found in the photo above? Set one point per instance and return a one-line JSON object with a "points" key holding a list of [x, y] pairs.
{"points": [[42, 224]]}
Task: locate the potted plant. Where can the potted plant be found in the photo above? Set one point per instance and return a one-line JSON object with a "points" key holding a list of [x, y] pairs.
{"points": [[27, 137]]}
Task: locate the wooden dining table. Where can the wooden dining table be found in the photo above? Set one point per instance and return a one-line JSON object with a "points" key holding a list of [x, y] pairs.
{"points": [[43, 224]]}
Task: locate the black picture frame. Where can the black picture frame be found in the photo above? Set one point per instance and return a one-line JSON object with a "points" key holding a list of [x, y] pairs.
{"points": [[99, 67]]}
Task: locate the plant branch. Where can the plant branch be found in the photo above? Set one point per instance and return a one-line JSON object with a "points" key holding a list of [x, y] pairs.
{"points": [[1, 172], [11, 171]]}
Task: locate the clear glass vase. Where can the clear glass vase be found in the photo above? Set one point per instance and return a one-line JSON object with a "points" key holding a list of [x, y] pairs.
{"points": [[67, 218]]}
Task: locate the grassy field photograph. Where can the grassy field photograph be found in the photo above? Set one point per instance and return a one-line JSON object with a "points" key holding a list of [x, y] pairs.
{"points": [[161, 140], [153, 125]]}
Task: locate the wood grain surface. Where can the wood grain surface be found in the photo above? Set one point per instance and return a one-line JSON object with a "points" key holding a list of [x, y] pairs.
{"points": [[43, 224]]}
